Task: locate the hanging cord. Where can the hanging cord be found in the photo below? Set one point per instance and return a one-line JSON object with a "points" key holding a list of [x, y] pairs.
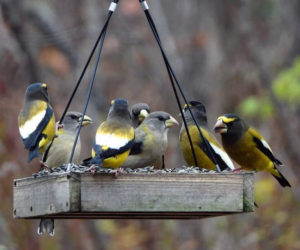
{"points": [[172, 75], [112, 8], [102, 37]]}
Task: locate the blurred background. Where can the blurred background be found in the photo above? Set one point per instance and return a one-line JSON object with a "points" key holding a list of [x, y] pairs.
{"points": [[235, 56]]}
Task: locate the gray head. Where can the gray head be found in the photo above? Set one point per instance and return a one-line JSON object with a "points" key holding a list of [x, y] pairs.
{"points": [[37, 91], [119, 109], [198, 110], [139, 112], [159, 121], [72, 120]]}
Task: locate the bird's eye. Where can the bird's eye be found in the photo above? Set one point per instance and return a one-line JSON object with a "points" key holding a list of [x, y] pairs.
{"points": [[161, 118], [73, 116]]}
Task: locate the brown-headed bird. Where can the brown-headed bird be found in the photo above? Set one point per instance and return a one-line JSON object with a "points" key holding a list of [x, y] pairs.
{"points": [[247, 147], [36, 120], [139, 112], [114, 137], [151, 140], [203, 155]]}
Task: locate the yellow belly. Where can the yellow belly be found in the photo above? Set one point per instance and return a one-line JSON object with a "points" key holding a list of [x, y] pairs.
{"points": [[114, 162], [248, 156], [202, 159], [117, 161]]}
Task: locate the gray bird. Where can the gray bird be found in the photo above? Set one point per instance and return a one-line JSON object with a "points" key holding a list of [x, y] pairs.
{"points": [[139, 112], [60, 151], [151, 140]]}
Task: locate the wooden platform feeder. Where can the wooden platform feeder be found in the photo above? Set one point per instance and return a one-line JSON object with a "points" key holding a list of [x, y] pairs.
{"points": [[133, 196]]}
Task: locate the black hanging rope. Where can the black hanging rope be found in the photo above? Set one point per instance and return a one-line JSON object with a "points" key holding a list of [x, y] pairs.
{"points": [[171, 76], [111, 10], [100, 40], [88, 93]]}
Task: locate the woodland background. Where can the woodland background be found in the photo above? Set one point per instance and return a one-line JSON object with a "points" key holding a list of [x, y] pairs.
{"points": [[235, 56]]}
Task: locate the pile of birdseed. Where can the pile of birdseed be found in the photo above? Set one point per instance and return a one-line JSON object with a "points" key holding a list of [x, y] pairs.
{"points": [[86, 169]]}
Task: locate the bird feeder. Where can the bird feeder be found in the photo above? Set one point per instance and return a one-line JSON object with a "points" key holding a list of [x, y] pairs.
{"points": [[133, 195], [152, 195]]}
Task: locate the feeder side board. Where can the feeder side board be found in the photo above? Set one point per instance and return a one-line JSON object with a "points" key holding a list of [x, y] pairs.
{"points": [[162, 193], [46, 195], [134, 196]]}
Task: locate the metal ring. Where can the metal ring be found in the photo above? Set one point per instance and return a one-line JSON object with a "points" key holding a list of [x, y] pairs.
{"points": [[144, 5], [112, 7]]}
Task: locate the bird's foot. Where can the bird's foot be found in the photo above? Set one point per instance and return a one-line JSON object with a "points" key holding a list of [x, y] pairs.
{"points": [[236, 170], [58, 126], [92, 169], [43, 166]]}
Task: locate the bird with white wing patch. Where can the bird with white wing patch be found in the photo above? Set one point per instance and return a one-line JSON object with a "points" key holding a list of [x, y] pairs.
{"points": [[36, 120], [203, 155], [247, 147], [114, 137]]}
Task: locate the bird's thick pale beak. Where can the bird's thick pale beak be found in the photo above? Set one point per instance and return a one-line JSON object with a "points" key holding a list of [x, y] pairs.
{"points": [[220, 127], [171, 122], [86, 120], [143, 114]]}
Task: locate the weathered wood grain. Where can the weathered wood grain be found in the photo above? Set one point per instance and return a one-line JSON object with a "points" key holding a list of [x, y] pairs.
{"points": [[135, 196], [46, 195], [248, 192], [162, 193]]}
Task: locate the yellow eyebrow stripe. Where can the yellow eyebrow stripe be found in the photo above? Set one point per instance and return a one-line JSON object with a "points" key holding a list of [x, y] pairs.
{"points": [[226, 119]]}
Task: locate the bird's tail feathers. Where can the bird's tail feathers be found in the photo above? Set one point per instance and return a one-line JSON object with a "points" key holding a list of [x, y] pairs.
{"points": [[97, 160], [278, 162], [86, 161], [46, 226], [34, 153], [281, 179]]}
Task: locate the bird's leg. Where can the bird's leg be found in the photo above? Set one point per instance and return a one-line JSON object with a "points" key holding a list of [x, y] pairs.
{"points": [[163, 162], [43, 166], [236, 170]]}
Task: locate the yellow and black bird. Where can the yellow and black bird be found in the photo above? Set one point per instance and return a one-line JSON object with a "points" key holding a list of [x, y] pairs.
{"points": [[203, 154], [36, 120], [60, 150], [114, 137], [139, 112], [151, 140], [247, 147], [59, 153]]}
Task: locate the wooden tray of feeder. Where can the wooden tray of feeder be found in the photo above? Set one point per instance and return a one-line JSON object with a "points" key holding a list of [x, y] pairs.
{"points": [[133, 195]]}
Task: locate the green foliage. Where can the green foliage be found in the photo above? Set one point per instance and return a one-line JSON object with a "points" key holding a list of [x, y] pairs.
{"points": [[256, 107], [286, 85]]}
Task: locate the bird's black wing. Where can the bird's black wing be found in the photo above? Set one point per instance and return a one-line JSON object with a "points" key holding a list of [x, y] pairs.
{"points": [[136, 148], [265, 150], [32, 142], [222, 164]]}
